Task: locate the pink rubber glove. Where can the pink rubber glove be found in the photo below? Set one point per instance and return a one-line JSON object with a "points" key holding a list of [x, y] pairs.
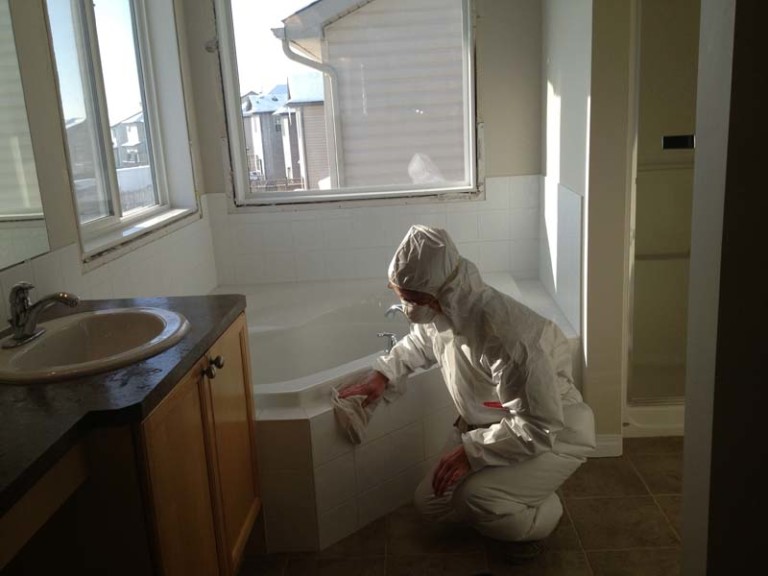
{"points": [[371, 386]]}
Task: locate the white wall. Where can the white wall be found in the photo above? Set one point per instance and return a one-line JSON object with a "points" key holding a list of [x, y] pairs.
{"points": [[177, 264], [716, 48], [567, 47], [499, 234]]}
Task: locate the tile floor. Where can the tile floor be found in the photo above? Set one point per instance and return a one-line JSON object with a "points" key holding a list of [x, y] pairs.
{"points": [[622, 517]]}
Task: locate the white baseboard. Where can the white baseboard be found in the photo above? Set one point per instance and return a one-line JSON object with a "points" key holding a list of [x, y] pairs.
{"points": [[608, 445], [649, 421]]}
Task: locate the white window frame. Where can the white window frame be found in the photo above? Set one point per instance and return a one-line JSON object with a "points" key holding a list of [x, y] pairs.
{"points": [[237, 150], [95, 92], [109, 231]]}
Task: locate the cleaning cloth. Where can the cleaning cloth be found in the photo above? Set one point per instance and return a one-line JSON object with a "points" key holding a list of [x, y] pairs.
{"points": [[350, 414]]}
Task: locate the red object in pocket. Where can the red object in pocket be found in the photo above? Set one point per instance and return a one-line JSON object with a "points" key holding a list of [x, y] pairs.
{"points": [[496, 405]]}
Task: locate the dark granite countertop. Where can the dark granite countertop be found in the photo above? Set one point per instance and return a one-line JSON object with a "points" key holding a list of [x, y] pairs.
{"points": [[40, 422]]}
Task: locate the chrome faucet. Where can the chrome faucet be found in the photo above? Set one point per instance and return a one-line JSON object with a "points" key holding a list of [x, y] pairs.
{"points": [[391, 342], [24, 314], [394, 309]]}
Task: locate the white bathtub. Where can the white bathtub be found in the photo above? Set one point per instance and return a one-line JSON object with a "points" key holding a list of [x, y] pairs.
{"points": [[295, 365], [305, 338]]}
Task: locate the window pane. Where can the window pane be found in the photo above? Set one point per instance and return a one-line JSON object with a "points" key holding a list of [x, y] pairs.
{"points": [[125, 104], [93, 200], [389, 109]]}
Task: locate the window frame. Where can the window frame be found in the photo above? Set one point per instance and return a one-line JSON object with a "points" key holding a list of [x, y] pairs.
{"points": [[107, 231], [243, 197]]}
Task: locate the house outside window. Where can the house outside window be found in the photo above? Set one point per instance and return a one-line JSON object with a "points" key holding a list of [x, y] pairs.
{"points": [[376, 94]]}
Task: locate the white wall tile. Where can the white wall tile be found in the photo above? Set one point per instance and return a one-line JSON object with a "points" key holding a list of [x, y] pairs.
{"points": [[372, 463], [497, 194], [524, 258], [463, 227], [340, 264], [494, 225], [328, 441], [407, 447], [335, 482], [307, 235], [524, 191], [311, 266], [279, 266], [523, 224], [336, 233], [337, 524], [249, 269], [284, 445], [494, 256]]}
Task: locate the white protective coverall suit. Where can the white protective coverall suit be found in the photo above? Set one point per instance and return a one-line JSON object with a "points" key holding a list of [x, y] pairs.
{"points": [[491, 348]]}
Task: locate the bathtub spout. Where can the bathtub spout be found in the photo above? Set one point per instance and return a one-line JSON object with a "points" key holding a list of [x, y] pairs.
{"points": [[394, 309]]}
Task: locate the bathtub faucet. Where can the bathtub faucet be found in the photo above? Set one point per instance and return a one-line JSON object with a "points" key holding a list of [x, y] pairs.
{"points": [[391, 342], [394, 309]]}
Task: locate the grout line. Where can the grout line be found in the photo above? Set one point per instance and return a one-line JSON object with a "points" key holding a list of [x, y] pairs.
{"points": [[578, 537], [663, 514]]}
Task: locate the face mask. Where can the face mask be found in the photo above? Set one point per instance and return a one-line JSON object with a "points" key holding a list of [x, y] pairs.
{"points": [[419, 313]]}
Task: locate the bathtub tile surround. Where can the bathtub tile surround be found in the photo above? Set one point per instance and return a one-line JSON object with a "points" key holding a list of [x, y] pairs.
{"points": [[178, 264], [349, 486], [500, 234]]}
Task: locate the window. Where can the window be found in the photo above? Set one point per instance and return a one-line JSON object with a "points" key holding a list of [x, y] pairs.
{"points": [[119, 116], [369, 98]]}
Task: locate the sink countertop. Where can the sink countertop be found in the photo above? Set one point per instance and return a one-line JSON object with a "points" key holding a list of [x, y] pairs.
{"points": [[40, 422]]}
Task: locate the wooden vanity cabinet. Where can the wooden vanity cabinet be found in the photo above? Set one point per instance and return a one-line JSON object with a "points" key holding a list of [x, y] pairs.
{"points": [[200, 463]]}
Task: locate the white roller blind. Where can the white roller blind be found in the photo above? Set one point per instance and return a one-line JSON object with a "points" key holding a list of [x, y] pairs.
{"points": [[19, 193], [402, 70]]}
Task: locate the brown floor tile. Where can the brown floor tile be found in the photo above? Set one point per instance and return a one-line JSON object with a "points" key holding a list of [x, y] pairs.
{"points": [[436, 565], [647, 562], [672, 507], [552, 563], [315, 566], [663, 473], [599, 477], [408, 534], [564, 536], [371, 540], [618, 523], [659, 445]]}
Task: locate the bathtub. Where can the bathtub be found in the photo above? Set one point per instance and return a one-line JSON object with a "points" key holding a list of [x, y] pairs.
{"points": [[295, 365]]}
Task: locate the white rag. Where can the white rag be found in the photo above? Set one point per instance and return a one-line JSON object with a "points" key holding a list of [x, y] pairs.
{"points": [[350, 413]]}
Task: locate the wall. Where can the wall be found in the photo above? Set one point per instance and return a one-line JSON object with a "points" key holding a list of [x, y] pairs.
{"points": [[607, 225], [176, 264], [508, 41], [567, 46], [499, 234], [716, 49]]}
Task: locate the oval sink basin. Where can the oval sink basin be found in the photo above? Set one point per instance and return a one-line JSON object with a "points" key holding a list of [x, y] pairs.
{"points": [[92, 342]]}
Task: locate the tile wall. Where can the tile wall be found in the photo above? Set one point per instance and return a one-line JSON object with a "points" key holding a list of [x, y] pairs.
{"points": [[499, 234], [318, 487], [181, 263]]}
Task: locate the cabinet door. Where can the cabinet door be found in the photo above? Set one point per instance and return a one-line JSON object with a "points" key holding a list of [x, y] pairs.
{"points": [[178, 482], [232, 426]]}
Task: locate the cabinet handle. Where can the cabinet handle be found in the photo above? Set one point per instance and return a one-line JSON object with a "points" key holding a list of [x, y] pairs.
{"points": [[210, 372], [218, 361]]}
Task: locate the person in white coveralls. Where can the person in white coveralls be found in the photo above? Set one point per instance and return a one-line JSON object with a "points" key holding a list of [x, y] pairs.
{"points": [[523, 427]]}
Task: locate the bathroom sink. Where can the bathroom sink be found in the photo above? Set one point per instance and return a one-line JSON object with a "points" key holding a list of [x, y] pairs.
{"points": [[92, 342]]}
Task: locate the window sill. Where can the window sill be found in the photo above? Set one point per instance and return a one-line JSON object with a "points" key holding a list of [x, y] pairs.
{"points": [[108, 247]]}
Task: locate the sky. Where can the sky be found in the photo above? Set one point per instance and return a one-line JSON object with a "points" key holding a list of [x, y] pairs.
{"points": [[261, 62]]}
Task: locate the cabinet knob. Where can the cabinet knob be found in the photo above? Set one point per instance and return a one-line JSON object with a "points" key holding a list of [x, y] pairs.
{"points": [[218, 361], [210, 372]]}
